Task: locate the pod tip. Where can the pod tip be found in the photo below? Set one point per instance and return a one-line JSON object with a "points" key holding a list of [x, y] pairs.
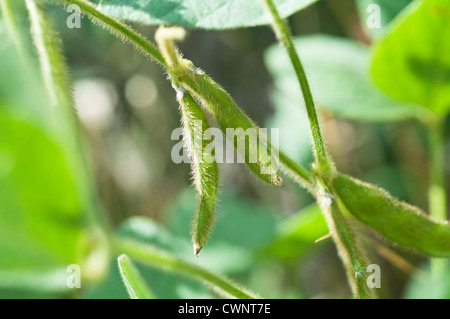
{"points": [[197, 250]]}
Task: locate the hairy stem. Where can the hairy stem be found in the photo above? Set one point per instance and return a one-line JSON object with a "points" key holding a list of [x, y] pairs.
{"points": [[350, 251], [154, 257], [11, 25], [283, 34], [437, 198], [119, 29], [135, 285], [436, 192], [53, 69], [296, 172]]}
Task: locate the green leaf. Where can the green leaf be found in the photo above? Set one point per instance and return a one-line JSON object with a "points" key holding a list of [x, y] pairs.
{"points": [[397, 221], [174, 269], [296, 234], [157, 258], [136, 287], [235, 214], [412, 62], [32, 283], [164, 284], [211, 14], [38, 204], [44, 223], [177, 256], [388, 10], [338, 73], [40, 218]]}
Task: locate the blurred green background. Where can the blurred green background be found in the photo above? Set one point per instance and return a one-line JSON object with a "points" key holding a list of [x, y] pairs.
{"points": [[264, 238]]}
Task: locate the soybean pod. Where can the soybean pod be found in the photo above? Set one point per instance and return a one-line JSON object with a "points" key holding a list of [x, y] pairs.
{"points": [[254, 147], [204, 168], [395, 220]]}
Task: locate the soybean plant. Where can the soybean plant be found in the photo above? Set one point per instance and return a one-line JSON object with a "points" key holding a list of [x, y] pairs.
{"points": [[345, 202]]}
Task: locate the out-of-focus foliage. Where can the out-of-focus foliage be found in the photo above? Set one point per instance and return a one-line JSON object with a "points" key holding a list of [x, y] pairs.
{"points": [[337, 70], [412, 62], [44, 224], [213, 14], [294, 235]]}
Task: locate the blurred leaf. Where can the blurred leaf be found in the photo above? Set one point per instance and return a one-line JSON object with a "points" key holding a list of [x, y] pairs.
{"points": [[39, 203], [14, 80], [397, 221], [211, 14], [388, 11], [31, 283], [422, 285], [164, 284], [296, 234], [148, 231], [220, 257], [412, 62], [242, 229], [338, 73], [240, 223], [43, 212]]}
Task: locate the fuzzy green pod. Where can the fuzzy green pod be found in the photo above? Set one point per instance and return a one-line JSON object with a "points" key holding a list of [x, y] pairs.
{"points": [[204, 168], [253, 146], [395, 220]]}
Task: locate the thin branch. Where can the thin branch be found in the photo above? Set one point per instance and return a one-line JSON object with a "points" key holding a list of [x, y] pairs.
{"points": [[136, 287], [436, 191], [283, 34], [154, 257], [11, 25], [352, 254], [119, 29]]}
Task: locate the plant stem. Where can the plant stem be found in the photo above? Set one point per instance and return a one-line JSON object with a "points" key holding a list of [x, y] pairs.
{"points": [[436, 192], [136, 287], [437, 198], [11, 25], [53, 68], [296, 172], [284, 36], [119, 29], [154, 257], [350, 251]]}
